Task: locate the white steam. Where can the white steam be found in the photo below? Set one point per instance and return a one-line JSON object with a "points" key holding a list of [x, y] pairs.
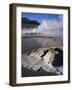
{"points": [[51, 27]]}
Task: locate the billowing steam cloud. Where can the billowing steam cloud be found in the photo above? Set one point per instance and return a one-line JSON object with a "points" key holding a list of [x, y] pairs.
{"points": [[51, 27]]}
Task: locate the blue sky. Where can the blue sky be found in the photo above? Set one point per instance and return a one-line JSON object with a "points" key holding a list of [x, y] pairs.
{"points": [[40, 16]]}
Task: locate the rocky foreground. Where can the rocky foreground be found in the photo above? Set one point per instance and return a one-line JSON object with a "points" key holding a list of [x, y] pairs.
{"points": [[43, 61]]}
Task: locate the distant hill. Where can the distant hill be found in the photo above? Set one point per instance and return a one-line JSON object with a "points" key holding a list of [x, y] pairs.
{"points": [[27, 23]]}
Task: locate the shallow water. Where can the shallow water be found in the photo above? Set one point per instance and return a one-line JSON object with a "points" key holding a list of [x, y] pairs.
{"points": [[30, 43]]}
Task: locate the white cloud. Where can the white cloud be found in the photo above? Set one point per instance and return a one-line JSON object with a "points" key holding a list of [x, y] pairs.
{"points": [[52, 27]]}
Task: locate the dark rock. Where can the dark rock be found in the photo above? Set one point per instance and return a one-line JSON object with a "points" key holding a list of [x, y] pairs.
{"points": [[58, 60]]}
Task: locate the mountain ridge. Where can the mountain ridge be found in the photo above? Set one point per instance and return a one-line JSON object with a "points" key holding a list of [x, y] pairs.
{"points": [[27, 23]]}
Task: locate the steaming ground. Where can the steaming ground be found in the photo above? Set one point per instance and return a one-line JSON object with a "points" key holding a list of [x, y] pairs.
{"points": [[50, 64]]}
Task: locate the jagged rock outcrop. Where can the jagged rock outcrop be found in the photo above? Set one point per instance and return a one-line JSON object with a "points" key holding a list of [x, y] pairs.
{"points": [[48, 59]]}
